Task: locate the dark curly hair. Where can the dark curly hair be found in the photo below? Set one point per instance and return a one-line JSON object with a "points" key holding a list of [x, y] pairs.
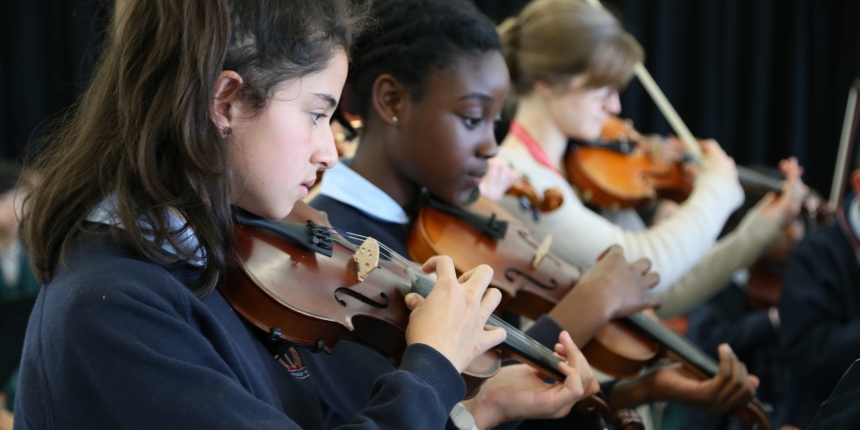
{"points": [[411, 39]]}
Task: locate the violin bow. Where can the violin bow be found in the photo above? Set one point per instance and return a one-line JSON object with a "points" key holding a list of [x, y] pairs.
{"points": [[843, 157], [663, 104]]}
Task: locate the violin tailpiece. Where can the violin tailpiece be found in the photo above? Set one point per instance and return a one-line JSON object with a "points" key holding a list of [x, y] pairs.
{"points": [[366, 258]]}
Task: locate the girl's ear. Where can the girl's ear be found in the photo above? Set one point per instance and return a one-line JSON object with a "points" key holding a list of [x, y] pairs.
{"points": [[544, 89], [223, 108], [388, 98]]}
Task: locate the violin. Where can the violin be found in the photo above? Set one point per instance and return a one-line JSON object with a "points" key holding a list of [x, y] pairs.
{"points": [[531, 279], [618, 173], [625, 169], [623, 348], [484, 232], [310, 285]]}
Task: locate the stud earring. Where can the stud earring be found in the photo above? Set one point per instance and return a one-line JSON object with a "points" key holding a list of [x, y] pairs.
{"points": [[394, 119], [228, 131]]}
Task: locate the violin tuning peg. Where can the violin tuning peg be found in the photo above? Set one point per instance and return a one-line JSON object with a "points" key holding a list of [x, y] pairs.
{"points": [[366, 258]]}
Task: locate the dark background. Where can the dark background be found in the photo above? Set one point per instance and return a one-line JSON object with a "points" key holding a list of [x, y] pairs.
{"points": [[766, 78]]}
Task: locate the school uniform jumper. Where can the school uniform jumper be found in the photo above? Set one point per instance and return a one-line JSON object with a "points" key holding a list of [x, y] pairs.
{"points": [[820, 316], [117, 341]]}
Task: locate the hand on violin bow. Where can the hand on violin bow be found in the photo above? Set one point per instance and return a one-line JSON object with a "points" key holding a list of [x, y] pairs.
{"points": [[731, 388], [610, 289], [714, 159], [498, 179], [784, 208], [452, 318], [519, 391]]}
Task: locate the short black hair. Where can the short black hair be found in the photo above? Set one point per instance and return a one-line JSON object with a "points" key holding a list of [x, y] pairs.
{"points": [[411, 39]]}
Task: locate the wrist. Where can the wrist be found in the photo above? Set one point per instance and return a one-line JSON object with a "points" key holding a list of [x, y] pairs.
{"points": [[582, 315], [483, 415], [462, 417], [630, 393]]}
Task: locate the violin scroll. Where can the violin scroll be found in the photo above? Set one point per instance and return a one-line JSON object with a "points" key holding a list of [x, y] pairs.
{"points": [[522, 188]]}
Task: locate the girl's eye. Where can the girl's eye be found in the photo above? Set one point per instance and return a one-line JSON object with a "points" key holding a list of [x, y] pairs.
{"points": [[603, 93], [471, 123], [316, 116]]}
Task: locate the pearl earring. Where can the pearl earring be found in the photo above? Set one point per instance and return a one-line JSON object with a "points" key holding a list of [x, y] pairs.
{"points": [[394, 119]]}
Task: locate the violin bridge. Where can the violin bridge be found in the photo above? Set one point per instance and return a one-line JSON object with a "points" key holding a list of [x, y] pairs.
{"points": [[366, 258], [542, 251]]}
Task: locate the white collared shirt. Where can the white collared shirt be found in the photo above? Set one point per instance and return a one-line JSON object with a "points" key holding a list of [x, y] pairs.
{"points": [[105, 213], [344, 185], [854, 215]]}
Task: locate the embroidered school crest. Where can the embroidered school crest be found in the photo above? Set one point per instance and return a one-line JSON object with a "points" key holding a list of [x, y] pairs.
{"points": [[293, 362]]}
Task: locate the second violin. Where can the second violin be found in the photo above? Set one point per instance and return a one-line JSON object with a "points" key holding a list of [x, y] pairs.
{"points": [[625, 170]]}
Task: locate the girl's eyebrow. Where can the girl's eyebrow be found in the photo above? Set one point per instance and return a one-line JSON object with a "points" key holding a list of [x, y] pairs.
{"points": [[328, 99], [480, 96]]}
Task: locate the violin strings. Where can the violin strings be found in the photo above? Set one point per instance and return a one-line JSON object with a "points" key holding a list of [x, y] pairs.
{"points": [[392, 255], [514, 334]]}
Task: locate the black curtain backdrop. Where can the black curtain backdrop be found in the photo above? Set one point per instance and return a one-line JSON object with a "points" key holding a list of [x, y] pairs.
{"points": [[47, 52], [766, 78]]}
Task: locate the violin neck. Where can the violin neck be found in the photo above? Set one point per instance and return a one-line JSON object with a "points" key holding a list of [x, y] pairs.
{"points": [[679, 345], [516, 342], [524, 347], [750, 178], [753, 413]]}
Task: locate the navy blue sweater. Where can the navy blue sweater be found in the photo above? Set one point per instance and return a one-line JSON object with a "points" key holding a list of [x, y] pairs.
{"points": [[344, 378], [116, 341], [820, 319], [727, 317]]}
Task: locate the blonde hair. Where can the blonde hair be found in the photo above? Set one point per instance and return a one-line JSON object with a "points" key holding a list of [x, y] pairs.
{"points": [[553, 40]]}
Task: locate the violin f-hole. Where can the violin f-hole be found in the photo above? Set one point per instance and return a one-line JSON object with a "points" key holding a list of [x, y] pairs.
{"points": [[361, 297]]}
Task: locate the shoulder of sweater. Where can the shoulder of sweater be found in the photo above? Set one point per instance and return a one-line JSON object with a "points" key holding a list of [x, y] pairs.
{"points": [[329, 205], [827, 240], [97, 270]]}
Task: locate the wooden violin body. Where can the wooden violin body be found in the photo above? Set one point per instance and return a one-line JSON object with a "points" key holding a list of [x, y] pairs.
{"points": [[527, 289], [313, 297], [624, 177], [269, 284]]}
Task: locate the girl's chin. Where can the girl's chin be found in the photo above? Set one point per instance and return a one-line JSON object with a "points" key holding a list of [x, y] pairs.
{"points": [[585, 135], [468, 196], [270, 212]]}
